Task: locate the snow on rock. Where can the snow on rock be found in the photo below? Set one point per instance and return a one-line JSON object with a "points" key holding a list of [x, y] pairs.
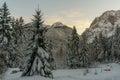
{"points": [[105, 24], [58, 24]]}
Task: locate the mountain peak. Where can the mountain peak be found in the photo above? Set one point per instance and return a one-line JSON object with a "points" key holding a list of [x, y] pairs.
{"points": [[58, 24], [107, 19]]}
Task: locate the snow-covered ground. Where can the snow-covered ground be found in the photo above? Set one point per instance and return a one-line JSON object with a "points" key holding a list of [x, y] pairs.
{"points": [[103, 72]]}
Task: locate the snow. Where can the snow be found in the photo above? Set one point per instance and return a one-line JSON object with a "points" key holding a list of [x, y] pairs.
{"points": [[31, 78], [44, 53], [57, 24], [12, 73], [78, 74], [110, 33]]}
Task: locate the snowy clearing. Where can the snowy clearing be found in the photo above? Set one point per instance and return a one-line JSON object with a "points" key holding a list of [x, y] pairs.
{"points": [[107, 72]]}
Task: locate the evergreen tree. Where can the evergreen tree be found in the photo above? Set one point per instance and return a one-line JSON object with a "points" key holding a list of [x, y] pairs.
{"points": [[115, 45], [97, 48], [38, 62], [75, 41], [18, 26], [21, 26], [69, 54], [103, 56], [73, 50], [18, 33], [6, 37], [84, 56]]}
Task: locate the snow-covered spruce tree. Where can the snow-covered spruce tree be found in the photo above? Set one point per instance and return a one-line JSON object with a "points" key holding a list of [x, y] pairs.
{"points": [[21, 26], [19, 56], [18, 26], [103, 56], [109, 43], [6, 37], [73, 50], [84, 56], [38, 61], [69, 54], [97, 48]]}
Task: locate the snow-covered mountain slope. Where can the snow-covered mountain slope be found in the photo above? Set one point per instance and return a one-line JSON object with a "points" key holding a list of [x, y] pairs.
{"points": [[106, 24], [58, 34], [109, 71]]}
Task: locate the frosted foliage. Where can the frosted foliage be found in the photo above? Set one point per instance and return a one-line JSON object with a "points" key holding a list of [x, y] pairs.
{"points": [[84, 59], [44, 54], [40, 65], [37, 64], [5, 40]]}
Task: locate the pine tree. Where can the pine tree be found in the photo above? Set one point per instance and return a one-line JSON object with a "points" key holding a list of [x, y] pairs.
{"points": [[69, 54], [18, 34], [104, 52], [115, 45], [84, 56], [75, 41], [97, 47], [21, 25], [38, 62], [18, 26], [6, 36], [73, 50]]}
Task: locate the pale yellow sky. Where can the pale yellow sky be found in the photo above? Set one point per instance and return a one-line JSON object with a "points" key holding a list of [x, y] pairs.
{"points": [[70, 18]]}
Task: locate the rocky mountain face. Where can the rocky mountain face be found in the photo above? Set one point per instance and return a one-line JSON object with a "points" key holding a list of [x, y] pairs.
{"points": [[105, 24], [58, 34]]}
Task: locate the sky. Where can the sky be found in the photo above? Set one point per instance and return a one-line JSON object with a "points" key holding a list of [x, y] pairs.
{"points": [[79, 13]]}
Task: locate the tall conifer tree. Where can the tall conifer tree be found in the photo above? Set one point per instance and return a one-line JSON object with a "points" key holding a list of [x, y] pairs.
{"points": [[7, 37], [73, 49], [38, 62]]}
